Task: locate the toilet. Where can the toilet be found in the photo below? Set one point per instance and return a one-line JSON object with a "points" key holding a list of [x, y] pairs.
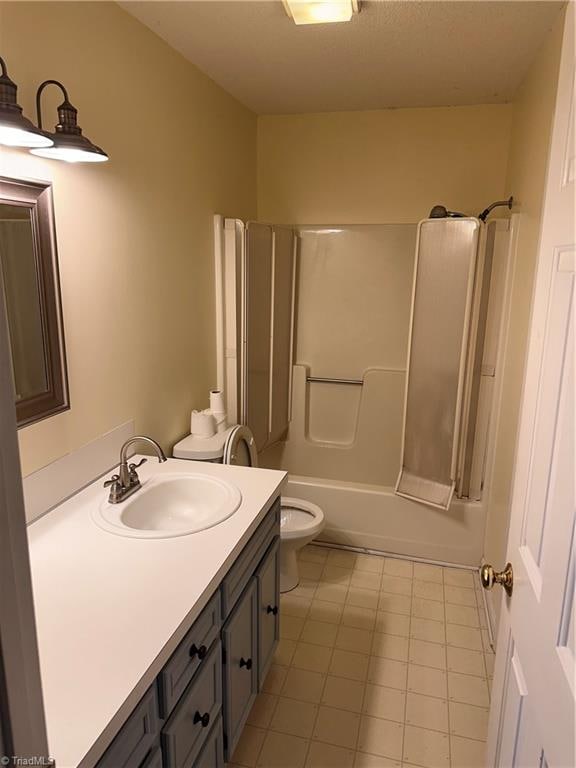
{"points": [[300, 521]]}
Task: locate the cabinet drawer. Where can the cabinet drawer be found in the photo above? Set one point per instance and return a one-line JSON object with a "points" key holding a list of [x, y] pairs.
{"points": [[189, 656], [268, 581], [243, 569], [137, 736], [187, 729], [212, 755], [240, 666]]}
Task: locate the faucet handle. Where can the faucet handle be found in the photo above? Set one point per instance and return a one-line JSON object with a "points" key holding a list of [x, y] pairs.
{"points": [[132, 467], [113, 479]]}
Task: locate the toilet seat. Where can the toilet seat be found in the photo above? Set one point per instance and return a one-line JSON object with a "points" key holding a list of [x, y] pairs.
{"points": [[240, 448], [299, 518]]}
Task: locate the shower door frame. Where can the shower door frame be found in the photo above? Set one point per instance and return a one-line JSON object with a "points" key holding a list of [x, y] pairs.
{"points": [[463, 378]]}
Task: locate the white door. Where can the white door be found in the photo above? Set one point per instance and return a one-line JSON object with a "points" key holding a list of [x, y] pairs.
{"points": [[532, 717]]}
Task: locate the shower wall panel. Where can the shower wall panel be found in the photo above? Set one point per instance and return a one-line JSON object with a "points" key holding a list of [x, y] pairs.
{"points": [[353, 291], [353, 298]]}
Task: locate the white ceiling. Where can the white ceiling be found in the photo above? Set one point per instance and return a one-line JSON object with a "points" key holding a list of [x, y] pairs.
{"points": [[395, 53]]}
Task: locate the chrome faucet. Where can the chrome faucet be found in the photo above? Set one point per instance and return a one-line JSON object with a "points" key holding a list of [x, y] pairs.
{"points": [[126, 482]]}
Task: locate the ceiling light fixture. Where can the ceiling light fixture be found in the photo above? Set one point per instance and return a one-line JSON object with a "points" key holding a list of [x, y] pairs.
{"points": [[321, 11], [68, 143], [15, 129]]}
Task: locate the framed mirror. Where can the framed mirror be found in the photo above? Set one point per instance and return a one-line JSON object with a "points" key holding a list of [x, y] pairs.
{"points": [[30, 282]]}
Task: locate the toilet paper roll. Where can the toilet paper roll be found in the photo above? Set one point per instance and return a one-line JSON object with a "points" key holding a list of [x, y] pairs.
{"points": [[202, 424], [217, 401]]}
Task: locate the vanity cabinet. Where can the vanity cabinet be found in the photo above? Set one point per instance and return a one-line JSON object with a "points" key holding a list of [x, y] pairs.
{"points": [[240, 642], [185, 732], [138, 738], [268, 620], [154, 759], [190, 654], [193, 714], [212, 755]]}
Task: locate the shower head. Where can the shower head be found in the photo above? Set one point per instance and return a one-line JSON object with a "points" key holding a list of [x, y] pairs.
{"points": [[441, 212], [498, 204]]}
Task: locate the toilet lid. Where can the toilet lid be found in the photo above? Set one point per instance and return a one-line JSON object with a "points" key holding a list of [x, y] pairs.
{"points": [[240, 448]]}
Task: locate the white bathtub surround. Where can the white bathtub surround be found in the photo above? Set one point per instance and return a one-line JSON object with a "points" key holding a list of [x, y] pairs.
{"points": [[333, 428], [381, 662], [371, 516], [110, 610], [348, 465]]}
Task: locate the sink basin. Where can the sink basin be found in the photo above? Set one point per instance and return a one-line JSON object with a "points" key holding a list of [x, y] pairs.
{"points": [[170, 505]]}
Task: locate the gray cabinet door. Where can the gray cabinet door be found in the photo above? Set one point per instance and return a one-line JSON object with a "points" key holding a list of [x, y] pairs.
{"points": [[189, 656], [212, 755], [186, 731], [239, 638], [268, 580], [241, 572], [154, 759], [137, 737]]}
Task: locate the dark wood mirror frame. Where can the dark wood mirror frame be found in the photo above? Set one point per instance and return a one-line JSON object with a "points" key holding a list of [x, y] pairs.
{"points": [[37, 197]]}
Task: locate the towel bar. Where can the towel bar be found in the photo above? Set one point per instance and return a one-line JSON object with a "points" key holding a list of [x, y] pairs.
{"points": [[322, 380]]}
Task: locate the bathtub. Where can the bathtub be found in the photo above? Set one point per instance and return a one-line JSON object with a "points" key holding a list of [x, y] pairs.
{"points": [[373, 517]]}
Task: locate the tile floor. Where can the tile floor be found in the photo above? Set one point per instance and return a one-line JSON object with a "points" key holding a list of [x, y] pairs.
{"points": [[382, 663]]}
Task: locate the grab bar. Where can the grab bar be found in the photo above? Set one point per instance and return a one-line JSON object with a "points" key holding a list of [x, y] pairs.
{"points": [[322, 380]]}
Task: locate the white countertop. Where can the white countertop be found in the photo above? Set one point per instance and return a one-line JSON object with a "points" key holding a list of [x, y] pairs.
{"points": [[110, 609]]}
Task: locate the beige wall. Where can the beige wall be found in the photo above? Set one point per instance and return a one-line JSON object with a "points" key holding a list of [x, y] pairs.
{"points": [[531, 127], [385, 166], [134, 234]]}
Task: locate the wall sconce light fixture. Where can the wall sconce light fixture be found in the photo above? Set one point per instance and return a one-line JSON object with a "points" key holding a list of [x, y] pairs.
{"points": [[67, 142], [15, 129]]}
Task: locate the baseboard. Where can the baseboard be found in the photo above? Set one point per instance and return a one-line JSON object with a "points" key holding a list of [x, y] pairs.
{"points": [[391, 554], [413, 549]]}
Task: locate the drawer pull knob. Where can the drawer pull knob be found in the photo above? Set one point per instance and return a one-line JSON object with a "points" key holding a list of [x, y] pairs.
{"points": [[203, 719], [273, 609], [246, 663], [200, 652]]}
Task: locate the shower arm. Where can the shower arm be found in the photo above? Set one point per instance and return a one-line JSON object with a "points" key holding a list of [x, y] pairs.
{"points": [[498, 204], [441, 212]]}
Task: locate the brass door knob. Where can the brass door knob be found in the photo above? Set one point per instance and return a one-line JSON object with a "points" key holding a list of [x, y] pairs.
{"points": [[490, 577]]}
